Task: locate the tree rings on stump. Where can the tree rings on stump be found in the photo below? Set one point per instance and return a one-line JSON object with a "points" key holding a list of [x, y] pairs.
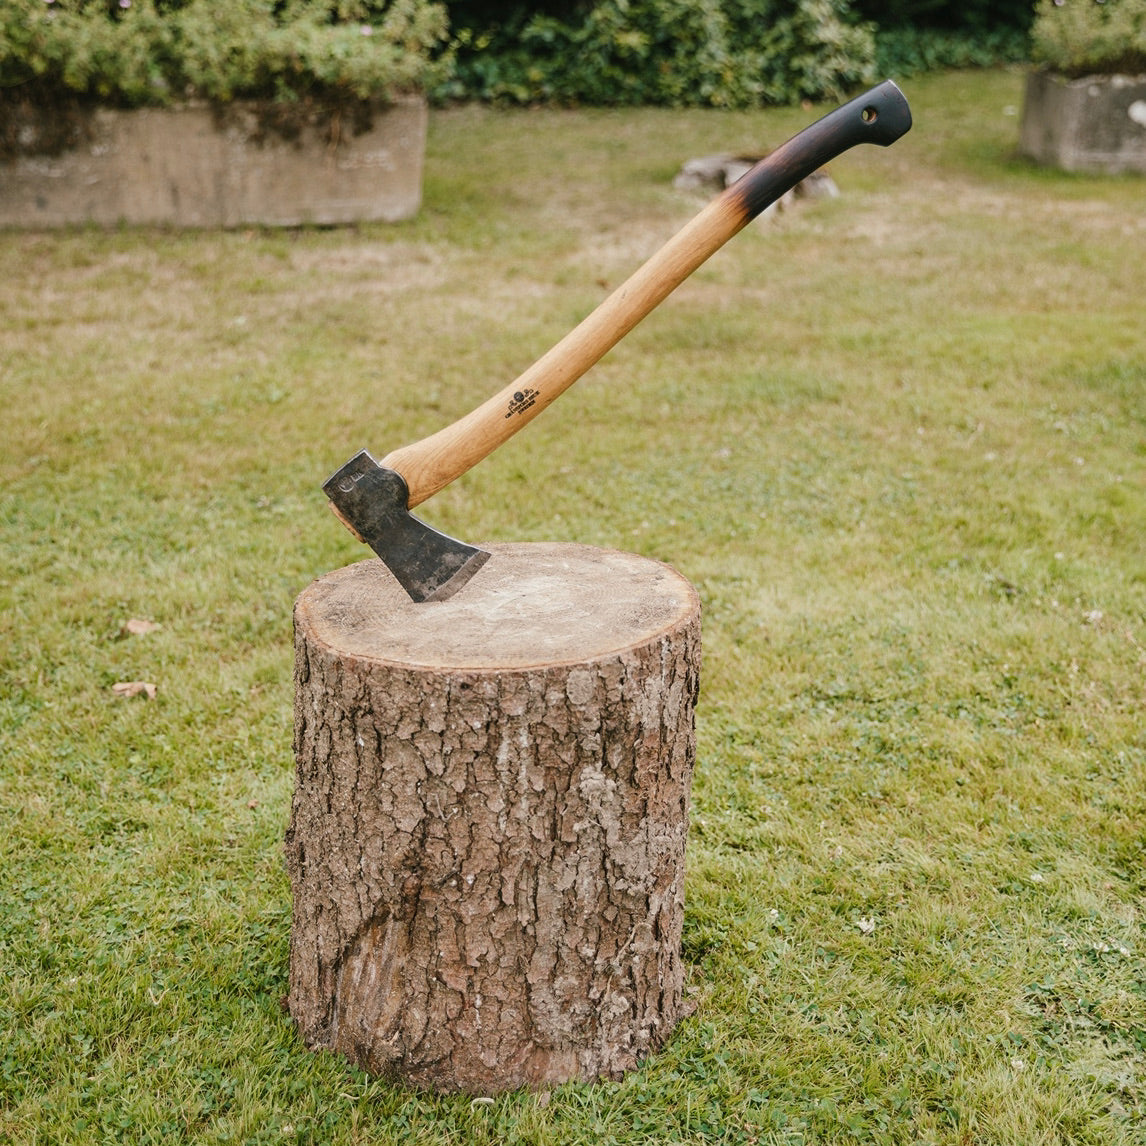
{"points": [[486, 847]]}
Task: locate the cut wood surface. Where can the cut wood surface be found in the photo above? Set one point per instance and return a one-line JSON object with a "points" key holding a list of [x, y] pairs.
{"points": [[487, 838]]}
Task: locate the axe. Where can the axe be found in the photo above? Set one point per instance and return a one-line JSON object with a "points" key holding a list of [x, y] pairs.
{"points": [[373, 499]]}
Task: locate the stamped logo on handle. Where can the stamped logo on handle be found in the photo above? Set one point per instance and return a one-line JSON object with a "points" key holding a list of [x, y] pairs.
{"points": [[521, 401]]}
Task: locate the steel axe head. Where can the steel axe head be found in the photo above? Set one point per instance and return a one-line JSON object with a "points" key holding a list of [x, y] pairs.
{"points": [[374, 504]]}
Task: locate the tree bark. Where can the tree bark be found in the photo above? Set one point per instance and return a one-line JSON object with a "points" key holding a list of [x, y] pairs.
{"points": [[486, 846]]}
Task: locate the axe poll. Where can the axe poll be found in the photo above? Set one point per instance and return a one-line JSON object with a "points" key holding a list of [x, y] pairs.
{"points": [[373, 499]]}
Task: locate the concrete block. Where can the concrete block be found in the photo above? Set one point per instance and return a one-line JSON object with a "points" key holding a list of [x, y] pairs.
{"points": [[198, 166], [1094, 124]]}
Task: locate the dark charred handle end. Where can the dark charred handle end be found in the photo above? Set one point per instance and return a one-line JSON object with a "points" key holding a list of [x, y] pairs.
{"points": [[884, 113], [879, 116]]}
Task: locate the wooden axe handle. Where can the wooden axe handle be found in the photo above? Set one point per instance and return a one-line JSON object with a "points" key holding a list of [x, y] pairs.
{"points": [[879, 116]]}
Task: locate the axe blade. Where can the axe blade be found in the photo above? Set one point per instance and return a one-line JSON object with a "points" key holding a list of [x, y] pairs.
{"points": [[374, 503]]}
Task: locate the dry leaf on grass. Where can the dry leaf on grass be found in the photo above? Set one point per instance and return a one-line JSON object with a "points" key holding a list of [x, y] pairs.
{"points": [[137, 627], [127, 688]]}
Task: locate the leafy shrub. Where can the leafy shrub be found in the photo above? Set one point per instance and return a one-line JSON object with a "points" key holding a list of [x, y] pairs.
{"points": [[909, 51], [974, 19], [721, 53], [137, 52], [1082, 37]]}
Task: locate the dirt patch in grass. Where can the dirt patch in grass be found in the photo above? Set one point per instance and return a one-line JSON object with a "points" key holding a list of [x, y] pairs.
{"points": [[378, 267]]}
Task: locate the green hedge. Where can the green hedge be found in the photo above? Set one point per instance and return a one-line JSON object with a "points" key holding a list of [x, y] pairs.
{"points": [[1082, 37], [140, 52], [915, 36], [720, 53], [909, 51], [969, 18]]}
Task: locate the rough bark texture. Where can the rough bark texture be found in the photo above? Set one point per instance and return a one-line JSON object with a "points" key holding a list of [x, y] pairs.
{"points": [[486, 846]]}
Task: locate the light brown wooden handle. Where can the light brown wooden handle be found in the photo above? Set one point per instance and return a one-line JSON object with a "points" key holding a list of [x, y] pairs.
{"points": [[432, 463], [878, 116]]}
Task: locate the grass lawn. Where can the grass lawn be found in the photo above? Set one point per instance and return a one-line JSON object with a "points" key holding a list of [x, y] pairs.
{"points": [[897, 441]]}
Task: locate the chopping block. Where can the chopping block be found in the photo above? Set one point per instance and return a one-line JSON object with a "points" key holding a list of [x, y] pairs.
{"points": [[486, 845]]}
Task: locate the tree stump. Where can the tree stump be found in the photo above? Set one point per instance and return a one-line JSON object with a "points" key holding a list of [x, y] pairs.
{"points": [[486, 846]]}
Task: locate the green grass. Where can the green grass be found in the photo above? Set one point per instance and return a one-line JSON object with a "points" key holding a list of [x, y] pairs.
{"points": [[897, 442]]}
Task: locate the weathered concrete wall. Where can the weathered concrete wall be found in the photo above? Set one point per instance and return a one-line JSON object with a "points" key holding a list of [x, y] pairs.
{"points": [[1097, 123], [195, 167]]}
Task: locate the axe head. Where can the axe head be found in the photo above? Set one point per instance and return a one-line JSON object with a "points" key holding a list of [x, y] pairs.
{"points": [[374, 504]]}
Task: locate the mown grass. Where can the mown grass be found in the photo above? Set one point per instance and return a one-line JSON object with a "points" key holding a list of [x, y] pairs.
{"points": [[896, 440]]}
